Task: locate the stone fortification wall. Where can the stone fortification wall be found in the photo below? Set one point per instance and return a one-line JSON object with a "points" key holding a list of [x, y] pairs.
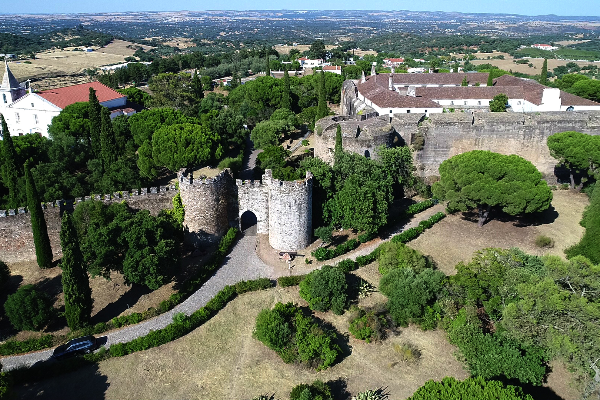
{"points": [[290, 212], [351, 105], [253, 196], [358, 136], [16, 237], [507, 133], [210, 206]]}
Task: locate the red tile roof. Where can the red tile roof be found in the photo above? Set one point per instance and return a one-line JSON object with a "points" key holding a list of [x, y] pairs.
{"points": [[68, 95], [534, 91], [469, 92], [440, 79], [332, 68]]}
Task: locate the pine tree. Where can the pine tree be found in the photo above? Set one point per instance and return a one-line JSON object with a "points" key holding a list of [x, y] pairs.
{"points": [[95, 123], [285, 97], [322, 110], [75, 280], [43, 251], [490, 81], [338, 141], [544, 73], [108, 150], [9, 169]]}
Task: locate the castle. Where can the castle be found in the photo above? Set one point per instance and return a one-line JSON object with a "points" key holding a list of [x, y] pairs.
{"points": [[280, 209]]}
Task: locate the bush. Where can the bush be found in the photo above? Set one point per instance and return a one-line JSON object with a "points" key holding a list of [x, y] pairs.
{"points": [[378, 394], [305, 142], [286, 281], [347, 265], [495, 355], [254, 285], [234, 164], [588, 246], [407, 235], [29, 309], [325, 289], [367, 326], [471, 388], [315, 391], [397, 255], [409, 293], [544, 241], [4, 384], [296, 337], [368, 259], [4, 273], [365, 237], [408, 352]]}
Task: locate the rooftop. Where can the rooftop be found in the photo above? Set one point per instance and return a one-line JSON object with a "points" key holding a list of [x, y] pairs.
{"points": [[68, 95]]}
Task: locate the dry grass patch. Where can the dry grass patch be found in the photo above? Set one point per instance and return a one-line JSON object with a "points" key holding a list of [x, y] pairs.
{"points": [[455, 239], [221, 360]]}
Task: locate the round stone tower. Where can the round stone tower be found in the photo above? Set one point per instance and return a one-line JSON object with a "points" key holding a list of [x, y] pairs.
{"points": [[290, 212], [208, 205]]}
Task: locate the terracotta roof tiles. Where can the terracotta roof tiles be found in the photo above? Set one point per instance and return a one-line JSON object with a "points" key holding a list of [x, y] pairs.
{"points": [[68, 95]]}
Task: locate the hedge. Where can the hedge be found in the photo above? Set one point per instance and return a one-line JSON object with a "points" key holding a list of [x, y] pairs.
{"points": [[17, 347], [251, 286], [413, 233], [293, 280], [323, 254]]}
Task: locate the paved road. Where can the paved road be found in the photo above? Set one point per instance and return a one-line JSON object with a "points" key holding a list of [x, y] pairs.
{"points": [[241, 264]]}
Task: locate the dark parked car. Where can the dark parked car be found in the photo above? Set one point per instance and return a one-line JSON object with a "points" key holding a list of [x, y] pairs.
{"points": [[82, 345]]}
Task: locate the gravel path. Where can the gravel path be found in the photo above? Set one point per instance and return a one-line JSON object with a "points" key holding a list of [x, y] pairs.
{"points": [[241, 264]]}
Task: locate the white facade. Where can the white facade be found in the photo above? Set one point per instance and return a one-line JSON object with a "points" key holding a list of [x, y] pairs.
{"points": [[30, 114]]}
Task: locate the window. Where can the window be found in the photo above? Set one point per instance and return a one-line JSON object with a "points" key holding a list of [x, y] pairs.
{"points": [[407, 111], [32, 106], [465, 102], [479, 102], [4, 97], [519, 102], [390, 111], [452, 103], [17, 118], [35, 118]]}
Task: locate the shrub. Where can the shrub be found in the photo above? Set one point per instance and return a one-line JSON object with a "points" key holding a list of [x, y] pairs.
{"points": [[409, 292], [365, 237], [544, 241], [378, 394], [317, 390], [286, 281], [325, 289], [29, 309], [347, 265], [325, 233], [366, 260], [4, 273], [471, 388], [367, 326], [408, 352], [250, 286], [407, 235], [296, 337], [305, 142], [398, 255], [323, 254], [495, 355], [4, 384], [235, 164]]}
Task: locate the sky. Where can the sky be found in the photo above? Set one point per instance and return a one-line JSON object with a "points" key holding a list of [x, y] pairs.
{"points": [[527, 7]]}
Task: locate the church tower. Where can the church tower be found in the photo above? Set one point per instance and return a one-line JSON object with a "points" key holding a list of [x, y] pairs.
{"points": [[10, 90]]}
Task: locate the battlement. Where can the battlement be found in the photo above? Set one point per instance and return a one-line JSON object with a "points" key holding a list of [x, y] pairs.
{"points": [[114, 197], [276, 183], [186, 177]]}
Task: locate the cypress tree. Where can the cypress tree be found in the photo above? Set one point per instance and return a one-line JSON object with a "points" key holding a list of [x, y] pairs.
{"points": [[95, 123], [75, 280], [43, 251], [268, 67], [108, 150], [322, 106], [196, 85], [465, 82], [338, 141], [285, 97], [544, 73], [490, 81], [9, 169]]}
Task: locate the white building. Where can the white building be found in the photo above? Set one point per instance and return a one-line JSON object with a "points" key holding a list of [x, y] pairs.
{"points": [[335, 69], [431, 93], [28, 112]]}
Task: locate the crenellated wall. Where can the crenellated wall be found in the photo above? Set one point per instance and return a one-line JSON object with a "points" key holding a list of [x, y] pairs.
{"points": [[283, 209], [210, 206], [16, 237]]}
